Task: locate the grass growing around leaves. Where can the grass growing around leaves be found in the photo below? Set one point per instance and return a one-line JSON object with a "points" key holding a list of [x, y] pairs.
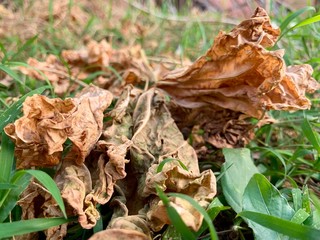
{"points": [[280, 169]]}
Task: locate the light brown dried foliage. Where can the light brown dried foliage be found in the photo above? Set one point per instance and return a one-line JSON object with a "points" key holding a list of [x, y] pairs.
{"points": [[240, 75], [119, 163], [142, 125], [117, 68], [47, 123]]}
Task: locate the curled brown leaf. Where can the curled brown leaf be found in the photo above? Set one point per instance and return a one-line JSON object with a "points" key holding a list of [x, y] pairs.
{"points": [[47, 123], [239, 74]]}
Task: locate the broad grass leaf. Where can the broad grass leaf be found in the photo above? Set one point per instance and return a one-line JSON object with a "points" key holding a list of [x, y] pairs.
{"points": [[50, 185], [28, 226], [285, 227], [6, 158], [261, 196], [10, 196], [300, 216], [236, 178]]}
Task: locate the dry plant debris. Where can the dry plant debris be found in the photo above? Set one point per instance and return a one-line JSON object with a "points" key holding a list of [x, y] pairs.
{"points": [[239, 78], [117, 67], [118, 162]]}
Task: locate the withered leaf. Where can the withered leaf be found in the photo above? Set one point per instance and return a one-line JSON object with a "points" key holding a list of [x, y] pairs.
{"points": [[156, 137], [47, 123], [74, 182], [239, 74], [118, 67], [116, 234]]}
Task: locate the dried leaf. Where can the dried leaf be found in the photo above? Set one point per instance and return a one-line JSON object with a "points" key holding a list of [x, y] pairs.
{"points": [[47, 123], [156, 137], [118, 68], [123, 234], [239, 74], [74, 182]]}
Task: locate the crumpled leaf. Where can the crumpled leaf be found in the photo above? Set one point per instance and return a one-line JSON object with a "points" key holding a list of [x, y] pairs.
{"points": [[117, 68], [237, 74], [36, 202], [74, 182], [115, 234], [156, 137], [47, 123]]}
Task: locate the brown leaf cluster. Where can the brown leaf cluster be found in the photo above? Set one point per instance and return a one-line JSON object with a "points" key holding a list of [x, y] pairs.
{"points": [[238, 74], [116, 67], [121, 169], [117, 159], [33, 17]]}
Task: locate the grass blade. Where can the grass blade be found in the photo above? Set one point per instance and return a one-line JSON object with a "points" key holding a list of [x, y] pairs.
{"points": [[7, 186], [175, 218], [310, 134], [294, 15], [307, 21], [285, 227], [11, 73], [6, 158], [28, 226], [28, 43], [161, 165], [50, 185], [15, 109], [205, 215], [10, 197]]}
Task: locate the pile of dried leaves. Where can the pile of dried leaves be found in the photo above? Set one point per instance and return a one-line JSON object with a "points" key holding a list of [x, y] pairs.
{"points": [[114, 156]]}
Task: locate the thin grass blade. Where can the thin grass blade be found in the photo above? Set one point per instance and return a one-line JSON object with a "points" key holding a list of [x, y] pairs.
{"points": [[175, 218], [28, 226], [205, 215], [282, 226], [50, 185]]}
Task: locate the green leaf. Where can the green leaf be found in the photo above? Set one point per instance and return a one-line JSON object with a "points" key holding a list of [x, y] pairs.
{"points": [[300, 216], [297, 199], [306, 204], [7, 186], [294, 15], [196, 205], [29, 226], [167, 160], [213, 210], [175, 218], [282, 226], [10, 197], [28, 43], [311, 135], [50, 185], [235, 180], [11, 73], [261, 196], [15, 109], [6, 158], [307, 21]]}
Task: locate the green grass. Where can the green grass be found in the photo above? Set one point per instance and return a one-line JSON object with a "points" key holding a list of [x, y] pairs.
{"points": [[283, 160]]}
